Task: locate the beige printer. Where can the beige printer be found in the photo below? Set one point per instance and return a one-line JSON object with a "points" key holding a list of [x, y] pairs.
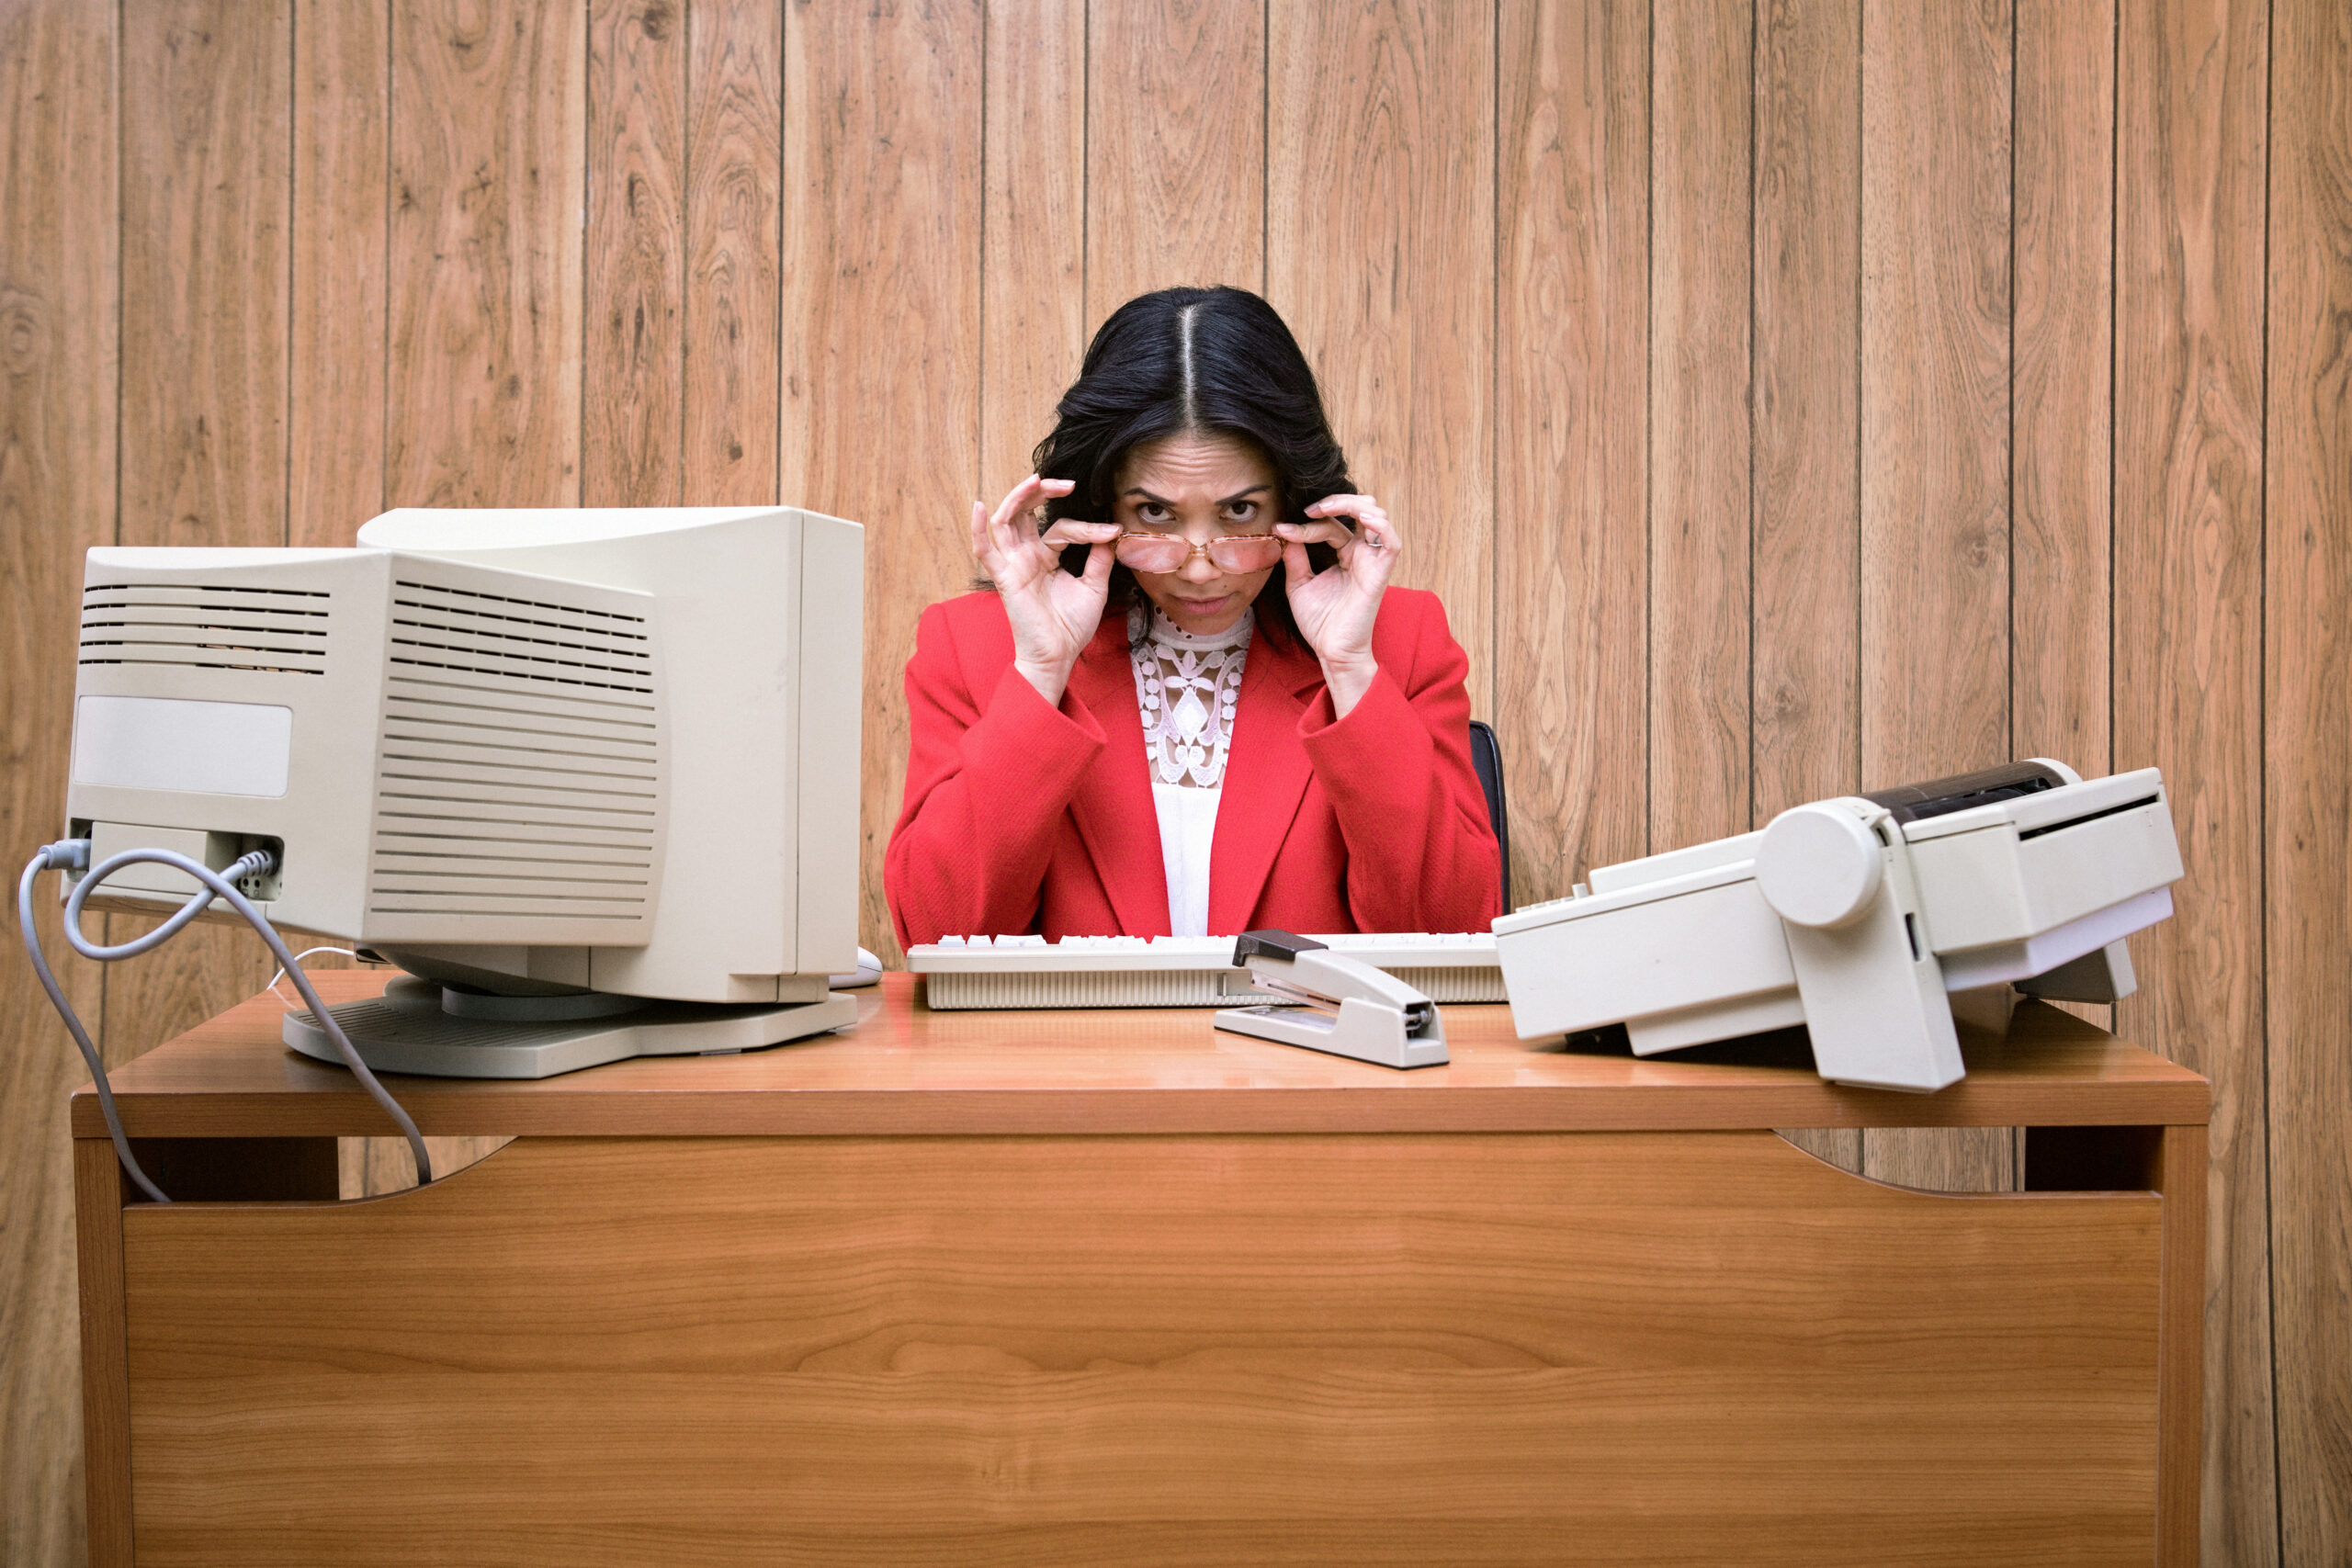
{"points": [[1857, 917]]}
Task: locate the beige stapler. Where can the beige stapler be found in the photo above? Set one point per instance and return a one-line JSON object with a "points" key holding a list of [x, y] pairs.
{"points": [[1331, 1002]]}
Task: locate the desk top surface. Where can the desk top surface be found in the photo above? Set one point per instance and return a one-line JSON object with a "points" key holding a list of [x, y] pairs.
{"points": [[907, 1070]]}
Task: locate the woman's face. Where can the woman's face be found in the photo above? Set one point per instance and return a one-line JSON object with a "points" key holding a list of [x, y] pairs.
{"points": [[1199, 488]]}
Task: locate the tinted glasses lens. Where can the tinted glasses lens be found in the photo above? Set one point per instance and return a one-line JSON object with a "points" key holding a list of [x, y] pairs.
{"points": [[1140, 553], [1249, 553]]}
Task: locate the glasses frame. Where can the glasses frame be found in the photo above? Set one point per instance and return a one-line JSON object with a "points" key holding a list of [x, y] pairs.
{"points": [[1193, 549]]}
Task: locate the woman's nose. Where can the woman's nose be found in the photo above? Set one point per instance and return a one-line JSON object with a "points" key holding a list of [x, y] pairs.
{"points": [[1198, 568]]}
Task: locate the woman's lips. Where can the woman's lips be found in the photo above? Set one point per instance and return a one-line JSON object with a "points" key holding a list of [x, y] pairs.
{"points": [[1204, 606]]}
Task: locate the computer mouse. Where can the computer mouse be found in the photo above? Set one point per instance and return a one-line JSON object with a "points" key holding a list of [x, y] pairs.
{"points": [[870, 970]]}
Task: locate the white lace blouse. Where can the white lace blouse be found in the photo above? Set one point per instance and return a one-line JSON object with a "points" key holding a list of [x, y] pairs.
{"points": [[1187, 688]]}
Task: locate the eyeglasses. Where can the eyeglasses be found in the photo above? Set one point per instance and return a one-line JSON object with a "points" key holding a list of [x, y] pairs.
{"points": [[1167, 552]]}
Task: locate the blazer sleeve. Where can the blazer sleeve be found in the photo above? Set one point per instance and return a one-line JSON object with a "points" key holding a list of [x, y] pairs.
{"points": [[1421, 854], [990, 777]]}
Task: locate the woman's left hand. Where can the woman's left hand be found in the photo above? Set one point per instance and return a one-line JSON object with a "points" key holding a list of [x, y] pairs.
{"points": [[1335, 608]]}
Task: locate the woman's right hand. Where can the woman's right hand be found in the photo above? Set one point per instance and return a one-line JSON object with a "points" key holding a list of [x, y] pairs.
{"points": [[1054, 615]]}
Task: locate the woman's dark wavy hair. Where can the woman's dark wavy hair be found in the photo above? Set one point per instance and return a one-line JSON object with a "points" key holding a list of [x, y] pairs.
{"points": [[1210, 361]]}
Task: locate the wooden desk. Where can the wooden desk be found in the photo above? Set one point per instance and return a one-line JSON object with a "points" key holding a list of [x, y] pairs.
{"points": [[1111, 1288]]}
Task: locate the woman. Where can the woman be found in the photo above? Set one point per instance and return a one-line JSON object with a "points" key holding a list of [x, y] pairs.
{"points": [[1146, 729]]}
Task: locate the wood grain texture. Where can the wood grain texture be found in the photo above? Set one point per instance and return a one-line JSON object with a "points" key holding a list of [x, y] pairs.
{"points": [[1935, 621], [879, 418], [1166, 1351], [633, 292], [488, 133], [371, 1168], [1805, 408], [1175, 148], [2189, 466], [733, 289], [1033, 274], [104, 1450], [1702, 90], [337, 335], [2061, 383], [58, 337], [1572, 394], [206, 195], [205, 262], [1380, 255], [450, 144], [1935, 450], [2061, 393], [2182, 1164], [907, 1071], [2307, 746]]}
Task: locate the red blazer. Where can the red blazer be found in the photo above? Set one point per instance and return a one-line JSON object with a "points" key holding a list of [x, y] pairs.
{"points": [[1025, 817]]}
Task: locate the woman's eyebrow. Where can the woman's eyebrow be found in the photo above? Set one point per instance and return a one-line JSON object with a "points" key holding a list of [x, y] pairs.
{"points": [[1162, 501]]}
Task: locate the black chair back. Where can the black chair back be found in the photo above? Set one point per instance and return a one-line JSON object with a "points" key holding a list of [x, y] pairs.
{"points": [[1486, 756]]}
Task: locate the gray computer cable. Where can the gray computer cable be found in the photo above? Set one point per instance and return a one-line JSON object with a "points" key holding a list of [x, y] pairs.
{"points": [[75, 853]]}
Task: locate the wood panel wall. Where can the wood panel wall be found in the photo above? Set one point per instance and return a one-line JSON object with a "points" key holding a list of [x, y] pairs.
{"points": [[1786, 397]]}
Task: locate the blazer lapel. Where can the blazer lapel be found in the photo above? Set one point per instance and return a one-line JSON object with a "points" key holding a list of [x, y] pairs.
{"points": [[1265, 776], [1113, 806]]}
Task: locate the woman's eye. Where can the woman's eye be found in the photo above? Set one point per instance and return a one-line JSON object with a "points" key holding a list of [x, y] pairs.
{"points": [[1153, 512], [1242, 511]]}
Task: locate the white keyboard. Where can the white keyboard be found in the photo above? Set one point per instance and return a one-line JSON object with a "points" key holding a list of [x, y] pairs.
{"points": [[1176, 971]]}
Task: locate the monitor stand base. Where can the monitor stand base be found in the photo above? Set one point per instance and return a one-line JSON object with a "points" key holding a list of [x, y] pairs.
{"points": [[406, 1031]]}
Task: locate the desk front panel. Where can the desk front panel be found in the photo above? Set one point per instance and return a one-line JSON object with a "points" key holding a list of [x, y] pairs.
{"points": [[1491, 1348]]}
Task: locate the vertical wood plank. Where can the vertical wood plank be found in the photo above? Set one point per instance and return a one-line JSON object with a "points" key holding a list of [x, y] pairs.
{"points": [[2062, 389], [1572, 393], [1807, 416], [206, 190], [1033, 265], [488, 142], [1935, 390], [335, 339], [205, 265], [1934, 448], [2062, 400], [2307, 746], [2189, 276], [633, 288], [1175, 148], [1805, 539], [1702, 90], [1380, 255], [882, 197], [58, 375], [733, 289]]}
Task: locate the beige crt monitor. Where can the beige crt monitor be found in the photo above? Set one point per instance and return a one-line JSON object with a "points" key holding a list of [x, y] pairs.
{"points": [[604, 759]]}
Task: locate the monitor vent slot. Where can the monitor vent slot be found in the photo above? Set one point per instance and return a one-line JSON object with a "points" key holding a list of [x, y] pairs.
{"points": [[464, 633], [216, 625], [498, 804]]}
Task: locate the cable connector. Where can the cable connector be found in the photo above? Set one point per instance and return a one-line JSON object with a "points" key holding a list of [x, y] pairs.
{"points": [[66, 854]]}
